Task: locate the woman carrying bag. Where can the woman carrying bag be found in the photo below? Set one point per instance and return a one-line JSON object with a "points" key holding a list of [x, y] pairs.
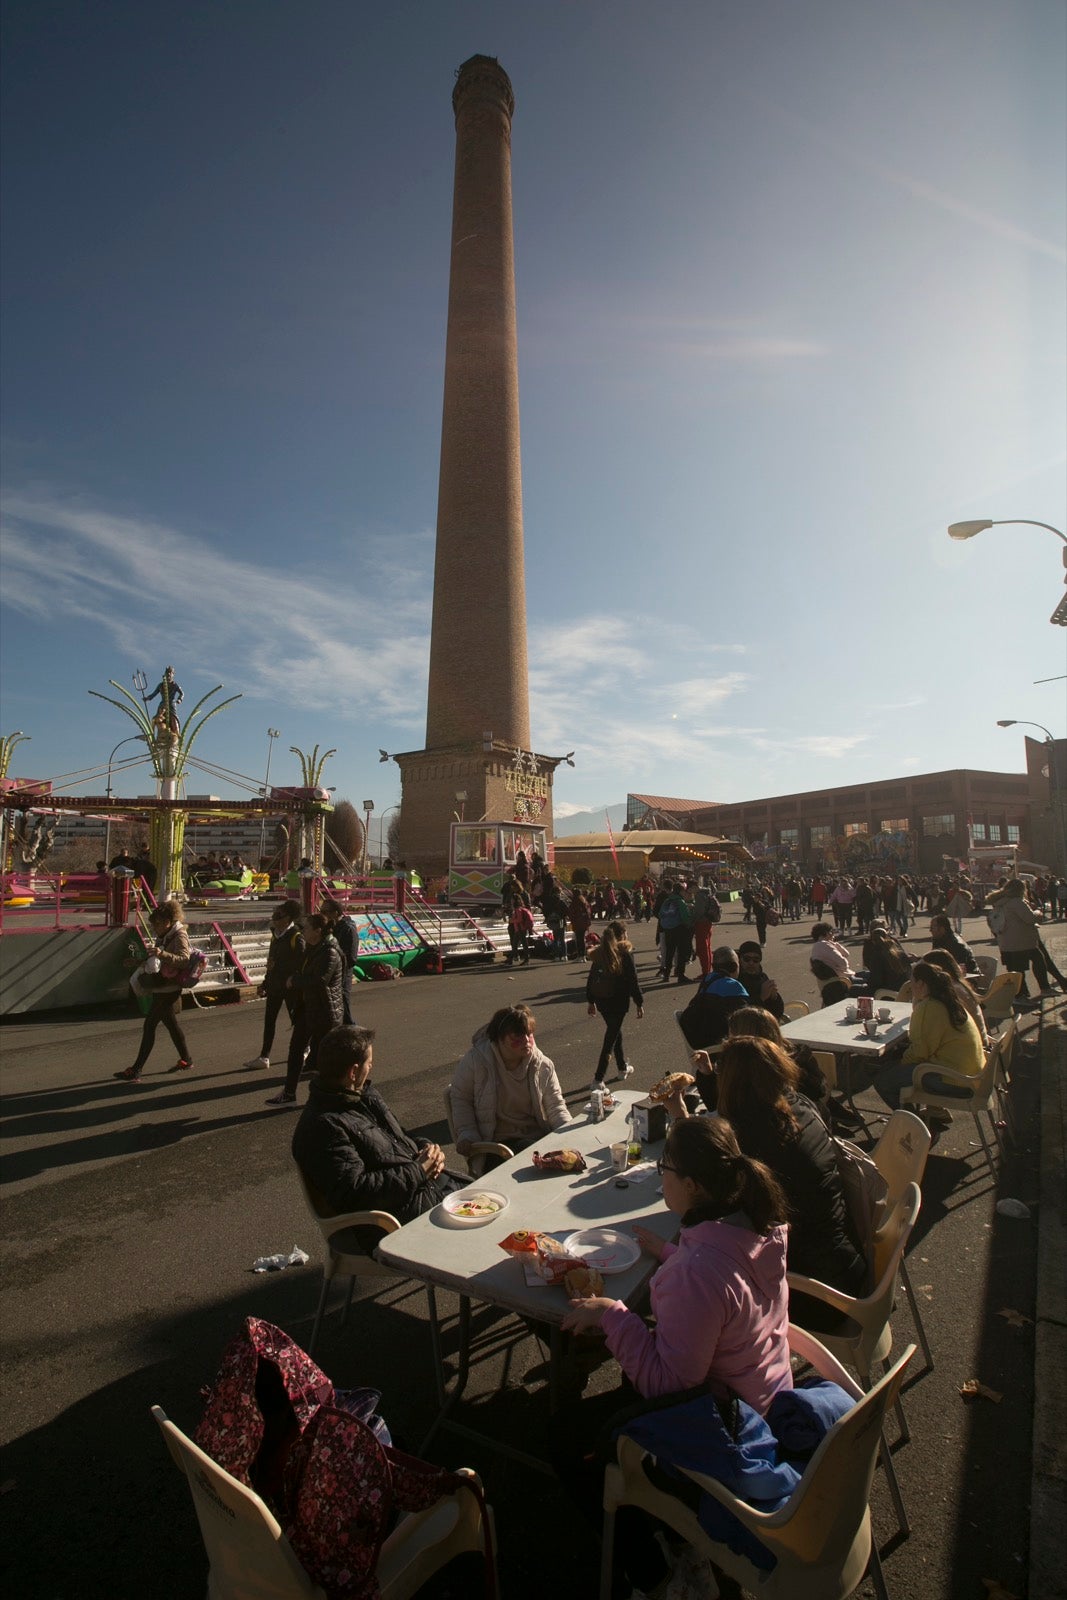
{"points": [[609, 988]]}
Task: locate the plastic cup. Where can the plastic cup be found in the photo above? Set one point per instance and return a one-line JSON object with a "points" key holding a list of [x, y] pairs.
{"points": [[850, 1011], [620, 1153], [884, 1014], [870, 1027]]}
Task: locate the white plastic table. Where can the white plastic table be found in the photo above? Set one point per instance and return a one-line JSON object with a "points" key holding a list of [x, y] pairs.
{"points": [[469, 1260], [830, 1029]]}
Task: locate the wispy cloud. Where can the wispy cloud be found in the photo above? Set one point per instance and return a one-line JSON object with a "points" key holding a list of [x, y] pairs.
{"points": [[298, 639]]}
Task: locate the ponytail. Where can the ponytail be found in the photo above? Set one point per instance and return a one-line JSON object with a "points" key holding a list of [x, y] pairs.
{"points": [[705, 1149]]}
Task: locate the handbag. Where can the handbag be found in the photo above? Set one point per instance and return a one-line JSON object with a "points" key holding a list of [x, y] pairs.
{"points": [[320, 1457]]}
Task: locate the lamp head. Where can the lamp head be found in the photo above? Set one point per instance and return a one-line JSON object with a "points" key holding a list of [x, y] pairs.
{"points": [[967, 530], [1006, 722]]}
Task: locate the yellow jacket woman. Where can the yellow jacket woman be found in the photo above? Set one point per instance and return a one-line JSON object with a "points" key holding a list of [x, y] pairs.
{"points": [[942, 1031]]}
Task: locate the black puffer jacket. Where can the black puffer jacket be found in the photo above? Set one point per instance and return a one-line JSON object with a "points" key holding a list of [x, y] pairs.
{"points": [[352, 1149], [317, 986], [820, 1242]]}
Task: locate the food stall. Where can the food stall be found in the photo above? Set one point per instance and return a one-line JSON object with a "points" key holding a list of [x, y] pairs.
{"points": [[481, 854]]}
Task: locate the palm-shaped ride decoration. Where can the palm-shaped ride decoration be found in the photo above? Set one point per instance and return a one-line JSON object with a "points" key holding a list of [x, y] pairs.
{"points": [[169, 747], [312, 820]]}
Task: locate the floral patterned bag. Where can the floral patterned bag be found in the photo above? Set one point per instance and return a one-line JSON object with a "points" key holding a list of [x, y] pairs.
{"points": [[320, 1458]]}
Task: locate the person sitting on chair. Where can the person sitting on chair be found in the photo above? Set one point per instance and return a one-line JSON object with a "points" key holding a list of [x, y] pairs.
{"points": [[761, 990], [504, 1090], [353, 1152], [705, 1019]]}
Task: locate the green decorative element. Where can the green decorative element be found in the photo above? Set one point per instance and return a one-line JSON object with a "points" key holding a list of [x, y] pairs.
{"points": [[8, 741], [169, 751], [169, 747], [311, 765]]}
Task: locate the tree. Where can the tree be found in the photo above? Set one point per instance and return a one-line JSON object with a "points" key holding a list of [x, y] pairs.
{"points": [[344, 831], [392, 837]]}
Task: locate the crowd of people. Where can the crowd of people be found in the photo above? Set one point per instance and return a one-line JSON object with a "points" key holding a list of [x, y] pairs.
{"points": [[756, 1187]]}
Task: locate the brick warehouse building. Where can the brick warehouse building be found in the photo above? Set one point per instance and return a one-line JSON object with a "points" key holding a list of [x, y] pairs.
{"points": [[908, 822]]}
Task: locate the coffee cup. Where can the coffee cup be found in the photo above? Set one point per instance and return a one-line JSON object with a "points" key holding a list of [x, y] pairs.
{"points": [[884, 1014], [870, 1027], [850, 1011], [619, 1155]]}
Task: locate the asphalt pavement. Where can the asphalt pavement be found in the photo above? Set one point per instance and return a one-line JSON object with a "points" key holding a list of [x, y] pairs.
{"points": [[132, 1217]]}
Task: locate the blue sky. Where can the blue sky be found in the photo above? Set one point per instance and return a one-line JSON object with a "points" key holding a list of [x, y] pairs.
{"points": [[791, 299]]}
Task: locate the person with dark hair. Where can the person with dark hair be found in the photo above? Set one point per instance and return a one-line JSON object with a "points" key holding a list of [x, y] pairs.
{"points": [[942, 1031], [346, 934], [761, 990], [609, 987], [720, 1306], [970, 997], [675, 920], [705, 1018], [886, 963], [171, 949], [316, 991], [944, 937], [504, 1089], [759, 1095], [755, 1022], [284, 958], [351, 1149]]}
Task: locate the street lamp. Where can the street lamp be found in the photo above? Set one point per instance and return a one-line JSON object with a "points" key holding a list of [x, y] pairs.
{"points": [[1055, 803], [368, 807], [135, 738], [272, 734], [967, 530]]}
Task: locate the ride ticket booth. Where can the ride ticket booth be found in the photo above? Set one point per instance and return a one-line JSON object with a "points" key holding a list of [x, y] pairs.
{"points": [[481, 854]]}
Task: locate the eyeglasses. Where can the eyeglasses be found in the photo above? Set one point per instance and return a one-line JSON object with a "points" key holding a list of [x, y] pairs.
{"points": [[663, 1166]]}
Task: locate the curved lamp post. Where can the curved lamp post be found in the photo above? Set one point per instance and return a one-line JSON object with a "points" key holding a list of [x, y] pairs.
{"points": [[134, 738], [1055, 803], [967, 530], [272, 734]]}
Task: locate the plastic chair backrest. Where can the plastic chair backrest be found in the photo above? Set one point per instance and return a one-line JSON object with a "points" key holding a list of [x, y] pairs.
{"points": [[331, 1225], [820, 1519], [795, 1009], [250, 1557], [901, 1152], [889, 1244], [997, 1001], [987, 966], [826, 1062]]}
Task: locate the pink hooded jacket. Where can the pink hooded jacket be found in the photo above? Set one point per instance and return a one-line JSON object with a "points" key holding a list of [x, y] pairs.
{"points": [[722, 1310]]}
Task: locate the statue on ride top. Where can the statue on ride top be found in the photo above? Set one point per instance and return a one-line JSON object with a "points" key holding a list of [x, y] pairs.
{"points": [[170, 695]]}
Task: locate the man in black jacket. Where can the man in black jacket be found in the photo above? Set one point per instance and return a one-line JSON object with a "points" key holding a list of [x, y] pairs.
{"points": [[351, 1149], [346, 933], [762, 991]]}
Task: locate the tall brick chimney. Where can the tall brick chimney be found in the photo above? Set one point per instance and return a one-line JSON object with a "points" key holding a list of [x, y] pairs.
{"points": [[477, 709], [478, 678]]}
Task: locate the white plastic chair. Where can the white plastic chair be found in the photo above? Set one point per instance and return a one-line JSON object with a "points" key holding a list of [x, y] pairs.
{"points": [[344, 1257], [900, 1156], [821, 1538], [476, 1159], [868, 1337], [251, 1559], [987, 967], [978, 1094], [999, 998]]}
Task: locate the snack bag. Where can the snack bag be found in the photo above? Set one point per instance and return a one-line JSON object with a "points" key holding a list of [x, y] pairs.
{"points": [[560, 1160], [553, 1262], [524, 1242]]}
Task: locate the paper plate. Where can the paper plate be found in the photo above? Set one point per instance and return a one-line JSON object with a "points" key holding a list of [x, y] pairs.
{"points": [[452, 1207], [608, 1249]]}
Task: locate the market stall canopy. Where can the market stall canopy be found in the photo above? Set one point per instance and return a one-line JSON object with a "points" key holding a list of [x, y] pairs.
{"points": [[660, 844]]}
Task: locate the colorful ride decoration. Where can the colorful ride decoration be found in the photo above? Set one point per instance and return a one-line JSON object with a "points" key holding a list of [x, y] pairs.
{"points": [[312, 817], [169, 747]]}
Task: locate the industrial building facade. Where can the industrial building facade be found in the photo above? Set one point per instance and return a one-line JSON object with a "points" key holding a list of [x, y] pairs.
{"points": [[910, 823]]}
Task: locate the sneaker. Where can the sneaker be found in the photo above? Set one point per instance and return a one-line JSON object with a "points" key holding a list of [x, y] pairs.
{"points": [[281, 1099], [258, 1061], [598, 1083], [625, 1072], [181, 1066], [128, 1075]]}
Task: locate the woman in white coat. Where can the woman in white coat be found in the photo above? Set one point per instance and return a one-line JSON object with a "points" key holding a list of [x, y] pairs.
{"points": [[504, 1089]]}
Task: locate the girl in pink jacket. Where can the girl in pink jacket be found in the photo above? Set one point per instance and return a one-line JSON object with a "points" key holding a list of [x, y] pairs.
{"points": [[721, 1306]]}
